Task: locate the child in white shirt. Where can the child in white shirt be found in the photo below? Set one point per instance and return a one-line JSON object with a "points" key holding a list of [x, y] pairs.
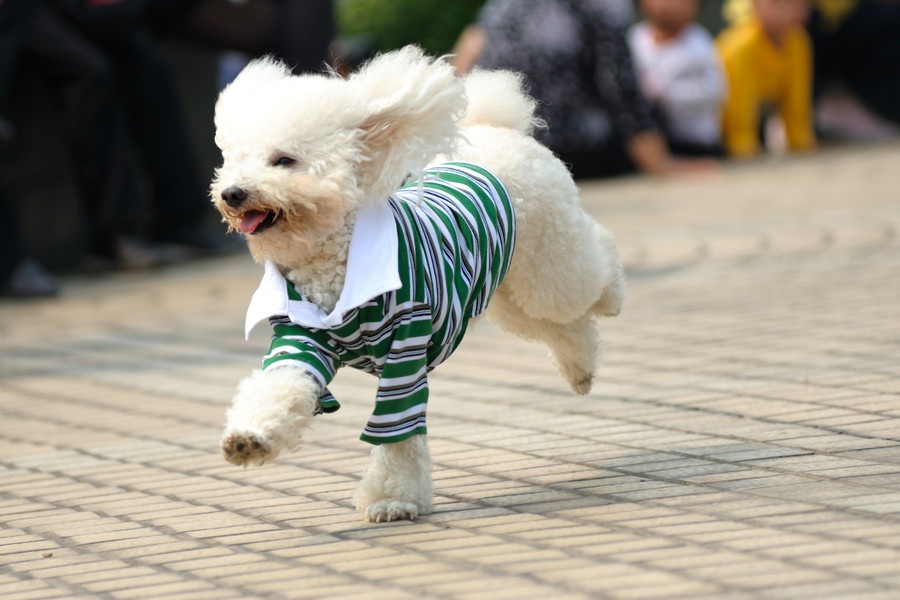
{"points": [[679, 71]]}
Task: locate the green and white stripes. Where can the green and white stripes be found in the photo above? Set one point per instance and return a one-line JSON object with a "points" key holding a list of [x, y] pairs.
{"points": [[455, 244]]}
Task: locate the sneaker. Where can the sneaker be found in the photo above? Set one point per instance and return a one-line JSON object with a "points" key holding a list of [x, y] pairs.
{"points": [[29, 280]]}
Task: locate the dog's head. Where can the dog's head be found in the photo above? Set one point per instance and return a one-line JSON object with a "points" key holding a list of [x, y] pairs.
{"points": [[300, 153]]}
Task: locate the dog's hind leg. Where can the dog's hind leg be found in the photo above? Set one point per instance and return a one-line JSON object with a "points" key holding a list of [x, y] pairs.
{"points": [[574, 345], [269, 413], [397, 484], [610, 302]]}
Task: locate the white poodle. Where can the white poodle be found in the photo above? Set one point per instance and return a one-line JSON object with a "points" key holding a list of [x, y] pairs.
{"points": [[377, 260]]}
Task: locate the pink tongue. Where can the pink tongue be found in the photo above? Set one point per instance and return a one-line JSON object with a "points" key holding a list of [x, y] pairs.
{"points": [[251, 220]]}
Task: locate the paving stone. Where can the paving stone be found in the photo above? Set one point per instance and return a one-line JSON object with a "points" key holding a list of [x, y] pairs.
{"points": [[740, 441]]}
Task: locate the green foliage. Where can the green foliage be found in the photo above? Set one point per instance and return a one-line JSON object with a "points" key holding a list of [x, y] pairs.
{"points": [[432, 24]]}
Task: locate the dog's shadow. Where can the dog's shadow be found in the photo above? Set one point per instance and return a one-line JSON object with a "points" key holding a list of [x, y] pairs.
{"points": [[564, 485]]}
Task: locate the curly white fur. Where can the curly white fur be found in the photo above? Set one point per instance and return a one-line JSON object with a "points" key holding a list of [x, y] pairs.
{"points": [[307, 152], [397, 483], [268, 414]]}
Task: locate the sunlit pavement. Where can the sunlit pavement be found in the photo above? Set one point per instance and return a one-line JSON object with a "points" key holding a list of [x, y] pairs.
{"points": [[741, 441]]}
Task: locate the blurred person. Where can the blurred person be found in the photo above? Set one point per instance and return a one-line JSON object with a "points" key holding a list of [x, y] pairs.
{"points": [[21, 276], [116, 40], [679, 71], [92, 125], [299, 32], [856, 57], [767, 56], [116, 93], [575, 58]]}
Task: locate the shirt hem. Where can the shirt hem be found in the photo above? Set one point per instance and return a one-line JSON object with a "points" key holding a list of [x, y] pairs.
{"points": [[377, 441]]}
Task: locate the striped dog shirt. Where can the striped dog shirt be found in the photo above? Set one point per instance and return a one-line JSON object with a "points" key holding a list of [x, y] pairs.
{"points": [[419, 267]]}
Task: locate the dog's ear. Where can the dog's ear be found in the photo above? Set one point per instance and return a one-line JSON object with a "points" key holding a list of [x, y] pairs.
{"points": [[412, 108]]}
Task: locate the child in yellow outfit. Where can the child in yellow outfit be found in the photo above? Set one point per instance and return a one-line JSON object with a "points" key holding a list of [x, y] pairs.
{"points": [[767, 57]]}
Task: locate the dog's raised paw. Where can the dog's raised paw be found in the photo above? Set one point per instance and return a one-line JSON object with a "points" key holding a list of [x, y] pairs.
{"points": [[384, 511], [244, 449]]}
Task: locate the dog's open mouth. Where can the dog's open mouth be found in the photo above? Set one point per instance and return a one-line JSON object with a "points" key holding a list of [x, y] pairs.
{"points": [[257, 221]]}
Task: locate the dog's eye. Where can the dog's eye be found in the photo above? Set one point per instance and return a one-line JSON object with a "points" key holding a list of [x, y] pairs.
{"points": [[284, 161]]}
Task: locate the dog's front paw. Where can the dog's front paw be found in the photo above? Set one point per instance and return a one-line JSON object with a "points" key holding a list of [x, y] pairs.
{"points": [[268, 415], [391, 510], [246, 448]]}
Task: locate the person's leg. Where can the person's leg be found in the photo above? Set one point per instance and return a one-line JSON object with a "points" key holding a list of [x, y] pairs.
{"points": [[14, 17], [20, 275], [179, 199], [15, 20], [12, 246], [93, 125]]}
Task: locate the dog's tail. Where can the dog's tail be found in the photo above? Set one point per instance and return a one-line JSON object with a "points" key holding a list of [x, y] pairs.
{"points": [[498, 99]]}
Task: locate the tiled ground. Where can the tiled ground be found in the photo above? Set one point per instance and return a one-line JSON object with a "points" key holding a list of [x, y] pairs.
{"points": [[743, 440]]}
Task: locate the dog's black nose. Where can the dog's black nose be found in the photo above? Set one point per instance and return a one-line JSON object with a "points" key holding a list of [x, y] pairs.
{"points": [[234, 196]]}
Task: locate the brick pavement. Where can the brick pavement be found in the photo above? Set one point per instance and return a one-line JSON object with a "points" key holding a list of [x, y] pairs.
{"points": [[743, 440]]}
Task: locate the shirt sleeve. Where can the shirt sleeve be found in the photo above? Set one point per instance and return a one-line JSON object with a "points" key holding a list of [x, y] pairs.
{"points": [[740, 112], [796, 105], [403, 381], [309, 350]]}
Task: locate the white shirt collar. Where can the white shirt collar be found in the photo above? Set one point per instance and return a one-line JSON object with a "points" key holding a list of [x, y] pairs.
{"points": [[372, 270]]}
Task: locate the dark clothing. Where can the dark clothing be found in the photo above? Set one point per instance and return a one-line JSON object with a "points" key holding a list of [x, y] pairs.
{"points": [[299, 32], [15, 18], [305, 33], [575, 58], [146, 84], [118, 102], [12, 246], [863, 52], [83, 83]]}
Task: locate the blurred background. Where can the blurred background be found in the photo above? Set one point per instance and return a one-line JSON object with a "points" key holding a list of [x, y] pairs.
{"points": [[51, 118]]}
